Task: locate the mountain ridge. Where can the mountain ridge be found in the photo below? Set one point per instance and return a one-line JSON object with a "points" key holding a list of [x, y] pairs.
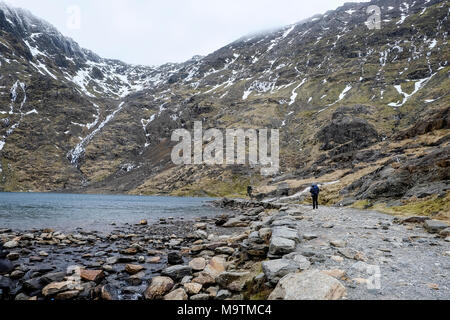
{"points": [[339, 93]]}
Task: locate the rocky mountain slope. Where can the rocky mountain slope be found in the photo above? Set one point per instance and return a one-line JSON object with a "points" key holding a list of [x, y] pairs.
{"points": [[365, 112]]}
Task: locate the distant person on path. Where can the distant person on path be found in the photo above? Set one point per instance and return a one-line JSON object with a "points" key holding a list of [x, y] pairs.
{"points": [[315, 196], [250, 192]]}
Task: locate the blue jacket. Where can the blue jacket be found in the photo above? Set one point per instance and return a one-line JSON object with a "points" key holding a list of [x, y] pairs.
{"points": [[315, 190]]}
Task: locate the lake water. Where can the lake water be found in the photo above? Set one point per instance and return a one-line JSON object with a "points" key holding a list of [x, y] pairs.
{"points": [[25, 211]]}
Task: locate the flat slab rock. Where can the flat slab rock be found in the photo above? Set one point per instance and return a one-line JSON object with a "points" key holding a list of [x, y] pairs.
{"points": [[281, 246], [308, 285], [435, 226]]}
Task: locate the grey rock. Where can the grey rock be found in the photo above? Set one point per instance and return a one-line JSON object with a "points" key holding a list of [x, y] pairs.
{"points": [[435, 226], [285, 232], [308, 285], [274, 270], [223, 294], [280, 246], [177, 272], [174, 258]]}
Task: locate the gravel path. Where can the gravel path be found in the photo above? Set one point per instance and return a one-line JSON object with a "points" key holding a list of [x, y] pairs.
{"points": [[413, 264]]}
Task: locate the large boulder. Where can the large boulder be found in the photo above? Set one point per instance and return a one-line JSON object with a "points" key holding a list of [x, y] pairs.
{"points": [[285, 232], [435, 226], [274, 270], [177, 272], [280, 246], [158, 288], [308, 285]]}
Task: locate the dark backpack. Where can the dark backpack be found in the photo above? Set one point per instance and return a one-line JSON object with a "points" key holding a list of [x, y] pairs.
{"points": [[315, 190]]}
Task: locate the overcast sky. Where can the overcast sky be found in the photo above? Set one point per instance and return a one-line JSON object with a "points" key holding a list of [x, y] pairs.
{"points": [[153, 32]]}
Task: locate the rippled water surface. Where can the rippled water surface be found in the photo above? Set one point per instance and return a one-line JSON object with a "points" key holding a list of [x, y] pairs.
{"points": [[23, 211]]}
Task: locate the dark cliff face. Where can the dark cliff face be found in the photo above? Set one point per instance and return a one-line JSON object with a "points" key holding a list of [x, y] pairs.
{"points": [[338, 92]]}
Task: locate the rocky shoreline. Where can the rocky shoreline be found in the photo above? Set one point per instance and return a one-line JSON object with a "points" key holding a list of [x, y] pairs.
{"points": [[259, 250]]}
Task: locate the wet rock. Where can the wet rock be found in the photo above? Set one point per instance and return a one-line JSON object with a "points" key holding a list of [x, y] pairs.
{"points": [[92, 275], [274, 270], [435, 226], [109, 293], [136, 279], [308, 285], [154, 260], [17, 274], [159, 287], [198, 264], [67, 295], [133, 269], [176, 295], [177, 272], [57, 287], [143, 222], [11, 244], [53, 277], [5, 266], [13, 256], [280, 246], [175, 258], [5, 284]]}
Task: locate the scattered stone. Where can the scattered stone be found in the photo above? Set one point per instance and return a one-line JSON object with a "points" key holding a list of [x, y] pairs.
{"points": [[216, 266], [280, 246], [109, 293], [92, 275], [56, 287], [143, 222], [159, 287], [235, 223], [154, 260], [198, 264], [308, 285], [223, 294], [13, 256], [176, 295], [175, 258], [225, 250], [200, 297], [67, 295], [43, 254], [177, 272], [338, 243], [274, 270], [193, 288], [133, 269], [234, 281], [11, 244]]}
